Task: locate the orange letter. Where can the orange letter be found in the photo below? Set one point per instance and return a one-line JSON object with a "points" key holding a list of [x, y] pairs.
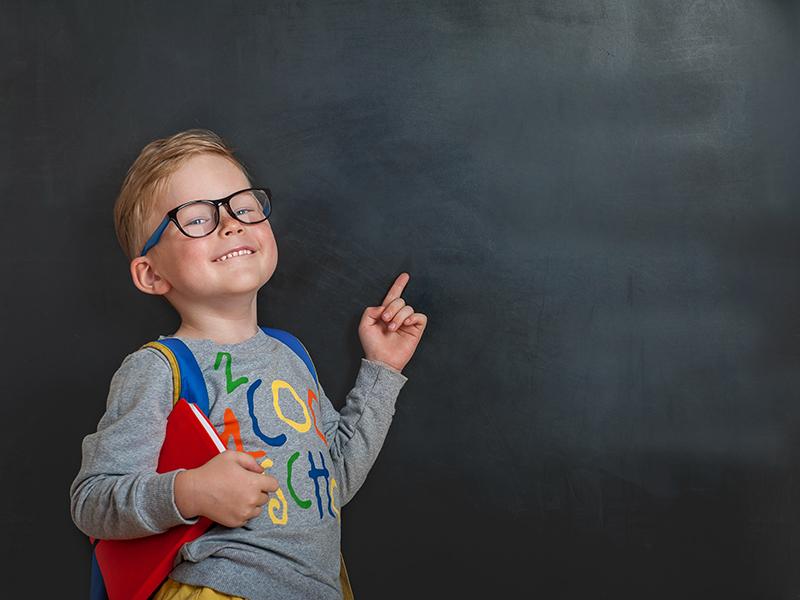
{"points": [[232, 431], [311, 398]]}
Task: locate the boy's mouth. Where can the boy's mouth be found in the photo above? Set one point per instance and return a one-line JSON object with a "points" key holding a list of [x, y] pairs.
{"points": [[239, 251]]}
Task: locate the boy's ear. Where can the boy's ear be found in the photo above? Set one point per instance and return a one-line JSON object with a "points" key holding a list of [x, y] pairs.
{"points": [[146, 278]]}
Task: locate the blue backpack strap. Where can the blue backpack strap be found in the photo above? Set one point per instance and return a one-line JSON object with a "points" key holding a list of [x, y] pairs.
{"points": [[97, 587], [296, 346], [187, 378]]}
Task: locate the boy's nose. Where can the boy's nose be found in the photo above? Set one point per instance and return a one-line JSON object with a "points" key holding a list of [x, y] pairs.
{"points": [[228, 224]]}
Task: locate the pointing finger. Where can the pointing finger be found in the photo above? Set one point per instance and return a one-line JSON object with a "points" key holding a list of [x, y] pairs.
{"points": [[397, 288]]}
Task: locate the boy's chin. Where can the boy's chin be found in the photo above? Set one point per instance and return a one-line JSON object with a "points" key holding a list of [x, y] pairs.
{"points": [[240, 289], [250, 286]]}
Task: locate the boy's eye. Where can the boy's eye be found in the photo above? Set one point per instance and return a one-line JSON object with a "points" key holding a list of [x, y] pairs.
{"points": [[242, 211], [197, 221]]}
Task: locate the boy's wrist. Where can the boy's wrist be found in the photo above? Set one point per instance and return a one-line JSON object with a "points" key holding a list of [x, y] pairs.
{"points": [[384, 364], [184, 494]]}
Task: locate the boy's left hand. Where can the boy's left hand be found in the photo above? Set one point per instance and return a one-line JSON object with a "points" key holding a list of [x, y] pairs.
{"points": [[390, 333]]}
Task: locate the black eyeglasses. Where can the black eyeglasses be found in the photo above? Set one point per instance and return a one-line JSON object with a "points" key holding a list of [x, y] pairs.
{"points": [[198, 218]]}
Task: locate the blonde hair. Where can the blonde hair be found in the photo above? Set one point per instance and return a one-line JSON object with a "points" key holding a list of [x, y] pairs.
{"points": [[148, 175]]}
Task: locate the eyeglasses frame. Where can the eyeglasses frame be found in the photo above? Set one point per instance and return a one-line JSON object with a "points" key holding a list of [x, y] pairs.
{"points": [[172, 216]]}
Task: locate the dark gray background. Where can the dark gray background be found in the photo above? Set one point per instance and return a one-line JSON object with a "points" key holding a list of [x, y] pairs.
{"points": [[596, 201]]}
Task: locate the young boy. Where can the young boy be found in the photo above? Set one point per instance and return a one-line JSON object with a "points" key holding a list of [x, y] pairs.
{"points": [[292, 461]]}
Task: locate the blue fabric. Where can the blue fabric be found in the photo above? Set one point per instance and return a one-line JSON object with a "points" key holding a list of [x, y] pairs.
{"points": [[97, 587], [193, 386]]}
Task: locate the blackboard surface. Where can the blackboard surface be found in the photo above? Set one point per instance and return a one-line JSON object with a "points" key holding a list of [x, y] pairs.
{"points": [[597, 201]]}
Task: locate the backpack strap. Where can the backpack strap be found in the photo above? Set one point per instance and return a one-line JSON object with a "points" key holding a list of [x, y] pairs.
{"points": [[187, 378], [297, 347], [97, 586]]}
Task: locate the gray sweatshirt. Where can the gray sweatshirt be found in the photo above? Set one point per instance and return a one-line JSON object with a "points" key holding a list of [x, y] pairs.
{"points": [[262, 400]]}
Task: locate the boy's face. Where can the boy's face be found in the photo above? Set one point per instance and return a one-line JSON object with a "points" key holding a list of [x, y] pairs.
{"points": [[188, 270]]}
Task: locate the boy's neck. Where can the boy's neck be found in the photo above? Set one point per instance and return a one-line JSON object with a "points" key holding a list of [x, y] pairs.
{"points": [[228, 326]]}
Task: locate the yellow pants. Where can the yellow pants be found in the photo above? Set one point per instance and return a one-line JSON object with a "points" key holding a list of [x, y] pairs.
{"points": [[173, 590]]}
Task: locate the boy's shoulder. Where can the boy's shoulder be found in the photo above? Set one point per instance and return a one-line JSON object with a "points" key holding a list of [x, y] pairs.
{"points": [[143, 367], [147, 356], [143, 377]]}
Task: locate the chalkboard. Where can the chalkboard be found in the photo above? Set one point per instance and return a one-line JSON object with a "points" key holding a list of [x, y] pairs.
{"points": [[596, 200]]}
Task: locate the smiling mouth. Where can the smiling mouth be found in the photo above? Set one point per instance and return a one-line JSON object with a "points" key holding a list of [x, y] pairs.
{"points": [[235, 254]]}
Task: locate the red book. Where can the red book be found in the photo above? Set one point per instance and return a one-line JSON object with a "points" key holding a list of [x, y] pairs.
{"points": [[133, 569]]}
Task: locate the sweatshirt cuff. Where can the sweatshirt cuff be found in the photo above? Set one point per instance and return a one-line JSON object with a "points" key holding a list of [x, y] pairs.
{"points": [[383, 382], [159, 503], [383, 364]]}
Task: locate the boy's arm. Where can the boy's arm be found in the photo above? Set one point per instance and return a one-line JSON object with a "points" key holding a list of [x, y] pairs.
{"points": [[355, 435], [117, 492]]}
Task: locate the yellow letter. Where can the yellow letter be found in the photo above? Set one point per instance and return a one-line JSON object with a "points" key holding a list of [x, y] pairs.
{"points": [[274, 505], [277, 386]]}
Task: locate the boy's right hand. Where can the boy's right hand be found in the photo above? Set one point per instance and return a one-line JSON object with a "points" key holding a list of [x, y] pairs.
{"points": [[229, 489]]}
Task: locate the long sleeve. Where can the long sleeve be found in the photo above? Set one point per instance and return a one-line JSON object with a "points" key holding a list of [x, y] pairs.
{"points": [[355, 435], [117, 493]]}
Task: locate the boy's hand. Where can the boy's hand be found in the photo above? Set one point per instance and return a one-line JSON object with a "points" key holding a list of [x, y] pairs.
{"points": [[390, 333], [229, 489]]}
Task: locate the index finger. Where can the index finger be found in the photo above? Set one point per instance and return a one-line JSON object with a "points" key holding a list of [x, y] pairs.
{"points": [[397, 288]]}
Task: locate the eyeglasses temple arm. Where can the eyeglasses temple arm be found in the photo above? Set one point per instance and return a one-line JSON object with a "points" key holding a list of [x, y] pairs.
{"points": [[153, 240]]}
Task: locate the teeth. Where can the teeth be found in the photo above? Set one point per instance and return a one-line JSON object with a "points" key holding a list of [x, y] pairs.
{"points": [[232, 254]]}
